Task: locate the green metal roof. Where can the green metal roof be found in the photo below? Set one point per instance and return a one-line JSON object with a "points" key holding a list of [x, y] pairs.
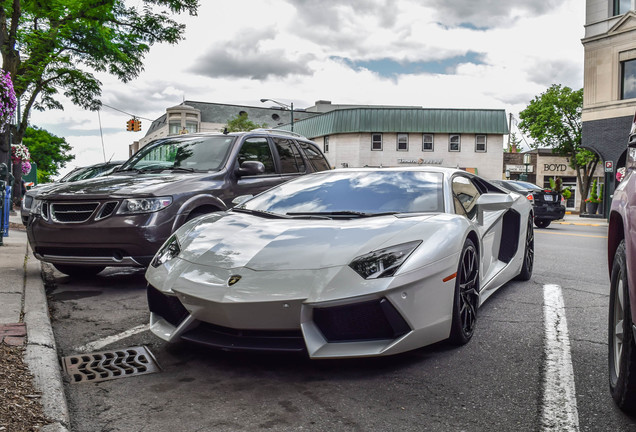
{"points": [[422, 120]]}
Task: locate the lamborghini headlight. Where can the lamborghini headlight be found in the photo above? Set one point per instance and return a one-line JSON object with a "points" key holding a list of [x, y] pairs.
{"points": [[143, 205], [383, 262], [168, 251]]}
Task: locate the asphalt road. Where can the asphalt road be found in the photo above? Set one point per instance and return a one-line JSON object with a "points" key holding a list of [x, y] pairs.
{"points": [[495, 383]]}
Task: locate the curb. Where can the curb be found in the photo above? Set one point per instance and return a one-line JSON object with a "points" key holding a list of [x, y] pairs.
{"points": [[41, 351]]}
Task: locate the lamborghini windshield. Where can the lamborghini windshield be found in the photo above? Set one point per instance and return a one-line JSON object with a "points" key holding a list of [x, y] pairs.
{"points": [[196, 153], [351, 193]]}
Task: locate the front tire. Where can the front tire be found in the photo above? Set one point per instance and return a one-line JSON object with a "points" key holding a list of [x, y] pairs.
{"points": [[466, 295], [621, 345]]}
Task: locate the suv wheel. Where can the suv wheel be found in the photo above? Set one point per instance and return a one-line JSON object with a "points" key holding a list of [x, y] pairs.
{"points": [[541, 223]]}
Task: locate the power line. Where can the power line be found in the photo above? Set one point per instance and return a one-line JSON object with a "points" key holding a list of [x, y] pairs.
{"points": [[127, 113]]}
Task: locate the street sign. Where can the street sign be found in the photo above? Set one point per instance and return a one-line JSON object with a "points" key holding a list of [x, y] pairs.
{"points": [[609, 166]]}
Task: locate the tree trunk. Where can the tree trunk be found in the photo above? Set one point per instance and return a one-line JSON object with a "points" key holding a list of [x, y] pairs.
{"points": [[16, 191]]}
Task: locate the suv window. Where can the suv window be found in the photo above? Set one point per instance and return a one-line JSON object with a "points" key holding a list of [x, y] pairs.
{"points": [[290, 159], [315, 157], [257, 149]]}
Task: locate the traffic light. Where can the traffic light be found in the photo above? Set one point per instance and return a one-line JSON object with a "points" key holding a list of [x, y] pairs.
{"points": [[130, 124], [137, 125]]}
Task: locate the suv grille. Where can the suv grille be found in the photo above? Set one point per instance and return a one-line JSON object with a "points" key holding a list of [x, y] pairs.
{"points": [[72, 212]]}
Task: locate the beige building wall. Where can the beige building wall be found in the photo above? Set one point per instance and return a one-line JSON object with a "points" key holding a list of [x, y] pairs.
{"points": [[354, 150], [607, 42]]}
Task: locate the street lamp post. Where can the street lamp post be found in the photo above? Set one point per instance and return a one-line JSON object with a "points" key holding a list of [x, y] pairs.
{"points": [[526, 161], [285, 106]]}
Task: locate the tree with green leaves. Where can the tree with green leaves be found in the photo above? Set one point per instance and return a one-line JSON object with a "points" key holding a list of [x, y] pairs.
{"points": [[50, 152], [241, 123], [553, 119], [53, 47]]}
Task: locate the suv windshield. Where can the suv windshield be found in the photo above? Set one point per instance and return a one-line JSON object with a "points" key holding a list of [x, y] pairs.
{"points": [[349, 192], [194, 153]]}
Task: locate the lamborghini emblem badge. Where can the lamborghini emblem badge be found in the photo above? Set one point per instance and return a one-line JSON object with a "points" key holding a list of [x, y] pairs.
{"points": [[233, 279]]}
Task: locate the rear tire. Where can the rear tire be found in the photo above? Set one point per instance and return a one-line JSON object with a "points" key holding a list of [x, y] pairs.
{"points": [[466, 295], [528, 254], [542, 223], [78, 271], [621, 345]]}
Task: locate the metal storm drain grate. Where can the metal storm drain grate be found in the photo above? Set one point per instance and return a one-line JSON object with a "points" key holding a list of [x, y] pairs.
{"points": [[108, 365]]}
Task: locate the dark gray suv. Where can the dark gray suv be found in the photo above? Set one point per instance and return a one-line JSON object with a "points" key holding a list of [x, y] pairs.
{"points": [[122, 219]]}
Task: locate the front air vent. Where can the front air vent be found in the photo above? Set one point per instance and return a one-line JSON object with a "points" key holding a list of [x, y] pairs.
{"points": [[370, 320]]}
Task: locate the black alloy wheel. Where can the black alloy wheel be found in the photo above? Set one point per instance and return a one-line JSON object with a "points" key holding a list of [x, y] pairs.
{"points": [[528, 254], [466, 295]]}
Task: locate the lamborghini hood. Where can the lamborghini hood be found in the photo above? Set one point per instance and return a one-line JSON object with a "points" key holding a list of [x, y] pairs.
{"points": [[233, 240]]}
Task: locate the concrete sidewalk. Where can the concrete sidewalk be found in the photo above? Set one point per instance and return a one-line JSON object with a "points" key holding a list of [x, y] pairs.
{"points": [[24, 320]]}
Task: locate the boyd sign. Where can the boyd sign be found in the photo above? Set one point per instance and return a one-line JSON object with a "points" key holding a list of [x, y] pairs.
{"points": [[555, 167]]}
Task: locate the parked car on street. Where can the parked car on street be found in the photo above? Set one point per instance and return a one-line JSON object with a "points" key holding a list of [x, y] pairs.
{"points": [[548, 205], [123, 218], [344, 263], [621, 257], [79, 173]]}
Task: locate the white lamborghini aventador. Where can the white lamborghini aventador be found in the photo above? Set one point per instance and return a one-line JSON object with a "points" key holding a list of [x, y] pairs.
{"points": [[343, 263]]}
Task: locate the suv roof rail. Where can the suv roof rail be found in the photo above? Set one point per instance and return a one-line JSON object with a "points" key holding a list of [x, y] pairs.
{"points": [[278, 131]]}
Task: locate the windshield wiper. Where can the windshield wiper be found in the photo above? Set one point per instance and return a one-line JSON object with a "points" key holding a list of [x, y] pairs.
{"points": [[181, 169], [342, 214], [261, 213]]}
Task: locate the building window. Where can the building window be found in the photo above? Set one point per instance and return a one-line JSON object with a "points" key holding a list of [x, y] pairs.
{"points": [[427, 142], [628, 79], [480, 143], [191, 127], [325, 146], [376, 142], [402, 142], [454, 143], [622, 6], [175, 127]]}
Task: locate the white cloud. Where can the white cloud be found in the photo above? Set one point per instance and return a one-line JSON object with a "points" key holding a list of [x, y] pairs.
{"points": [[286, 50]]}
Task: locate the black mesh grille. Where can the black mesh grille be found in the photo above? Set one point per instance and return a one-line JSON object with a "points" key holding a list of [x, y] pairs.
{"points": [[107, 210], [372, 320], [167, 307], [81, 252], [246, 340], [72, 212]]}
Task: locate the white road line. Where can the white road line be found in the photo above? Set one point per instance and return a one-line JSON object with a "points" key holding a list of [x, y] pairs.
{"points": [[559, 412], [101, 343]]}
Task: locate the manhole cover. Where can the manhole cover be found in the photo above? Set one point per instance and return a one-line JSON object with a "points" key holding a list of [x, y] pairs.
{"points": [[108, 365]]}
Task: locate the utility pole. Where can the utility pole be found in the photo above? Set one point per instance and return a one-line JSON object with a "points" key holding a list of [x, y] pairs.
{"points": [[509, 129]]}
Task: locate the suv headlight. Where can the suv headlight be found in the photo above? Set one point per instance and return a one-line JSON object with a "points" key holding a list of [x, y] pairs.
{"points": [[36, 206], [143, 205], [168, 251], [383, 262]]}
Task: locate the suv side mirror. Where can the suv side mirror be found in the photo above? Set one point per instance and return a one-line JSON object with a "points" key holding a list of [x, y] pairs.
{"points": [[250, 168]]}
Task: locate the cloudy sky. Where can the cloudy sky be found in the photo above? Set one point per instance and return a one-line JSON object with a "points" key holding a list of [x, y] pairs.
{"points": [[429, 53]]}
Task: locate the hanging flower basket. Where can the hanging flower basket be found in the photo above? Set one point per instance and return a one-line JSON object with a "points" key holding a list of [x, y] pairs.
{"points": [[20, 153], [8, 101]]}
